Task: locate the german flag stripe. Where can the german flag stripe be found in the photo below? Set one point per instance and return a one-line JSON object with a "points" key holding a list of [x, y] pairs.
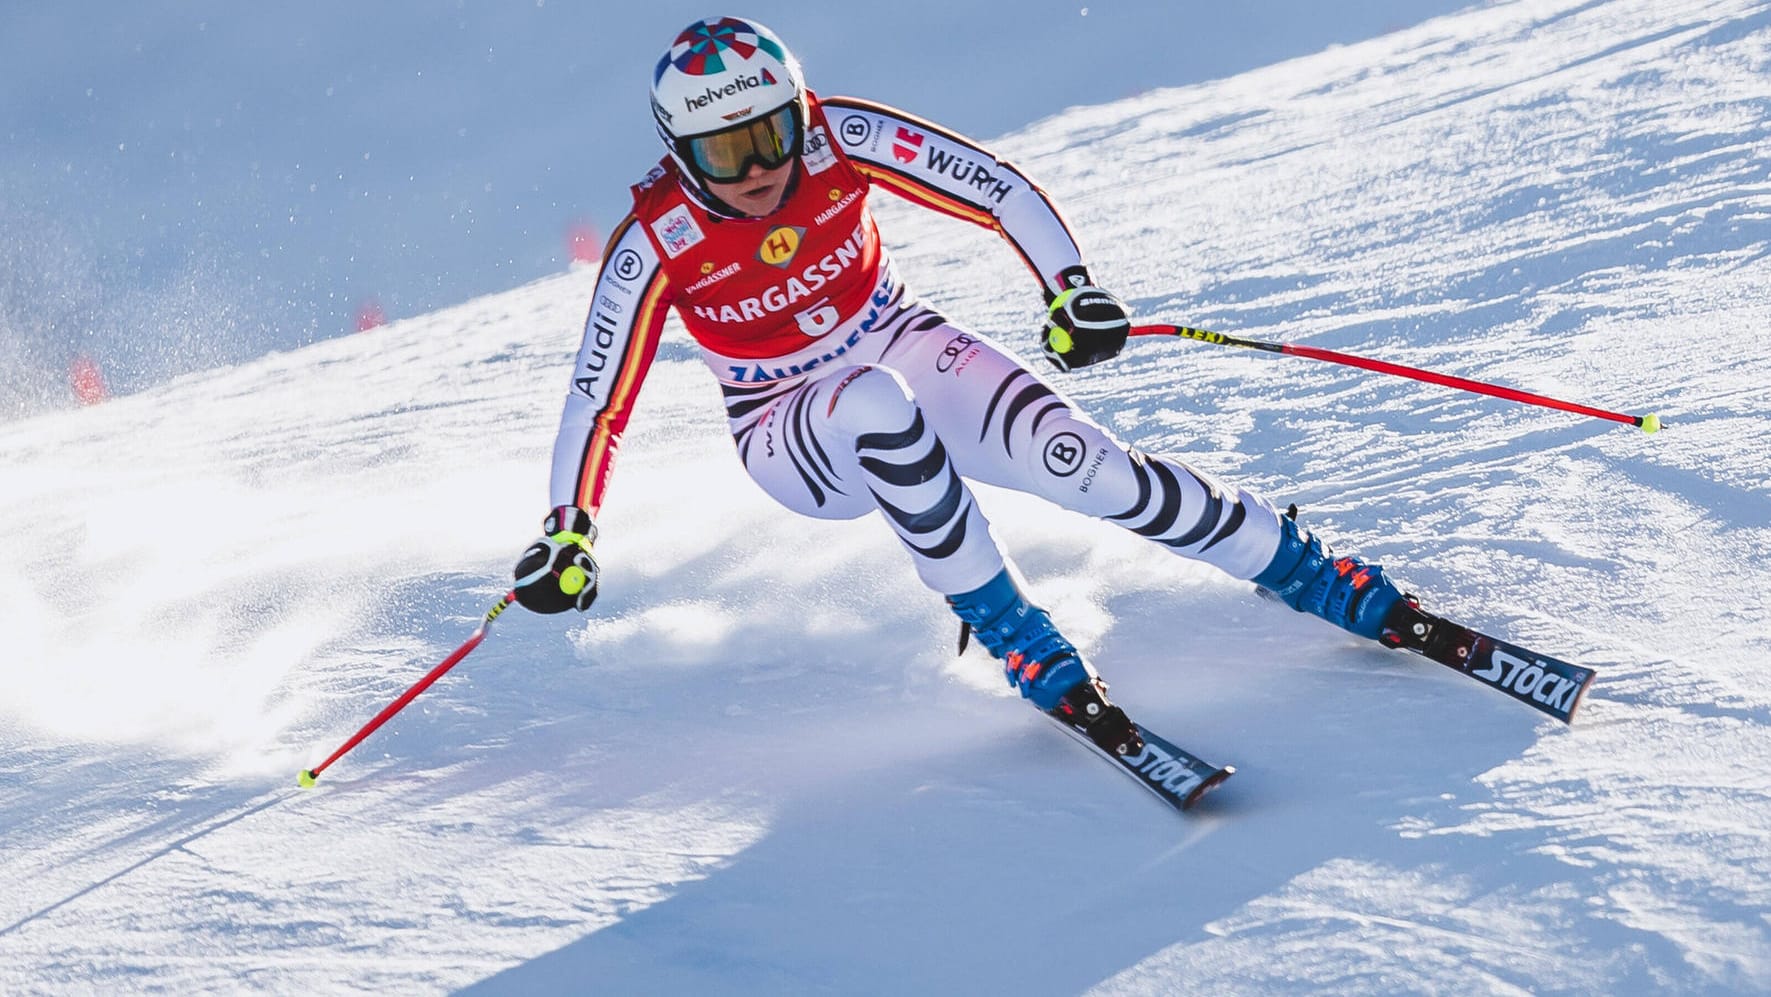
{"points": [[605, 436], [917, 192]]}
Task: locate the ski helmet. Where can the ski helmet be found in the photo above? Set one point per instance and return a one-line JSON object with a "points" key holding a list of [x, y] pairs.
{"points": [[727, 95]]}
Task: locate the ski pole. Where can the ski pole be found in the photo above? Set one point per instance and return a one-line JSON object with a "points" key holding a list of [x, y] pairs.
{"points": [[307, 776], [1647, 423]]}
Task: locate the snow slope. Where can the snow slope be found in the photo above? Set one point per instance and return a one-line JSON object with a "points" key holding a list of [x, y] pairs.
{"points": [[757, 767]]}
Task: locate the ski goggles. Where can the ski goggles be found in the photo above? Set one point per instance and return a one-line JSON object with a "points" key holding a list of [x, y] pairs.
{"points": [[725, 156]]}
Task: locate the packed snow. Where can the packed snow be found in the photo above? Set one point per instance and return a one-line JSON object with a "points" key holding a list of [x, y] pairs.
{"points": [[757, 766]]}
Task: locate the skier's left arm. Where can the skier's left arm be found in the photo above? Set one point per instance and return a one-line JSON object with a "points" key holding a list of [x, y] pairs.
{"points": [[939, 169]]}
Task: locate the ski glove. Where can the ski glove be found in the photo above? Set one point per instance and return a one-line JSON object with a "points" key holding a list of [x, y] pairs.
{"points": [[1084, 324], [557, 572]]}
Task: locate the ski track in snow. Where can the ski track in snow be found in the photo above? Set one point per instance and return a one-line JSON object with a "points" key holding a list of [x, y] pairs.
{"points": [[758, 768]]}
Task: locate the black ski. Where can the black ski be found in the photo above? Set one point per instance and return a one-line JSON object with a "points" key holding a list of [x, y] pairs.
{"points": [[1539, 681], [1175, 776]]}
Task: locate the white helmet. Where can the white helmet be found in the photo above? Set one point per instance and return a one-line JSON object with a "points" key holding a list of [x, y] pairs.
{"points": [[727, 95]]}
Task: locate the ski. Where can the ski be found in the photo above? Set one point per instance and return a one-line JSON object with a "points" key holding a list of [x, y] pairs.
{"points": [[1173, 775], [1546, 684]]}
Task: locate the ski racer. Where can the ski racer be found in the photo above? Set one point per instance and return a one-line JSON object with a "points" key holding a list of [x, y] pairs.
{"points": [[846, 393]]}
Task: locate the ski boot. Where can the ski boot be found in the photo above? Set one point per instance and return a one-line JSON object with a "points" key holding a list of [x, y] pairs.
{"points": [[1345, 591], [1042, 664]]}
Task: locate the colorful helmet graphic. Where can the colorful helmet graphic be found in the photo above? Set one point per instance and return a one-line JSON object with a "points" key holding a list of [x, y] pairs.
{"points": [[728, 95]]}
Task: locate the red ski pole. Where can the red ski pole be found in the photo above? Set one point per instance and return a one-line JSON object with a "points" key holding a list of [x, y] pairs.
{"points": [[307, 776], [1647, 423]]}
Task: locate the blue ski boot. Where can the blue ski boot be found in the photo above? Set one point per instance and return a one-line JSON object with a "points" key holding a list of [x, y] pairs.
{"points": [[1042, 664], [1345, 591]]}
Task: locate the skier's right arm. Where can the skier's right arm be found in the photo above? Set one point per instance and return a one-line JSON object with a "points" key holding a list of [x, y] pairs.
{"points": [[621, 336]]}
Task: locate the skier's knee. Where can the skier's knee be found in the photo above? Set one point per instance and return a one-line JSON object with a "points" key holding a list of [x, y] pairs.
{"points": [[869, 399]]}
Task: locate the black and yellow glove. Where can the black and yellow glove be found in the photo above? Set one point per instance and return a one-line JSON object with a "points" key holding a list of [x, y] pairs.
{"points": [[557, 572], [1084, 324]]}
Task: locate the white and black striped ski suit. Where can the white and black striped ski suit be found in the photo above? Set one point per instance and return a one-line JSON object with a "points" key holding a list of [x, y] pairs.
{"points": [[919, 405]]}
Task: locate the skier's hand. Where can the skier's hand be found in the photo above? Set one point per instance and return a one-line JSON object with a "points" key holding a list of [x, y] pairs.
{"points": [[1084, 324], [557, 572]]}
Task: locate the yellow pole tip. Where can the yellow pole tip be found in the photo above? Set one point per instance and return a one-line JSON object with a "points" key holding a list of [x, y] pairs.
{"points": [[306, 778], [1651, 423]]}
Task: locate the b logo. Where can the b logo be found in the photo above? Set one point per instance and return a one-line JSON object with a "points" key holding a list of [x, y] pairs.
{"points": [[854, 130], [1063, 455], [779, 245], [628, 265]]}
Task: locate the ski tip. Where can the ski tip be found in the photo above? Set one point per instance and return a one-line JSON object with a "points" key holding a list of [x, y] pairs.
{"points": [[306, 779], [1580, 697], [1211, 782]]}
